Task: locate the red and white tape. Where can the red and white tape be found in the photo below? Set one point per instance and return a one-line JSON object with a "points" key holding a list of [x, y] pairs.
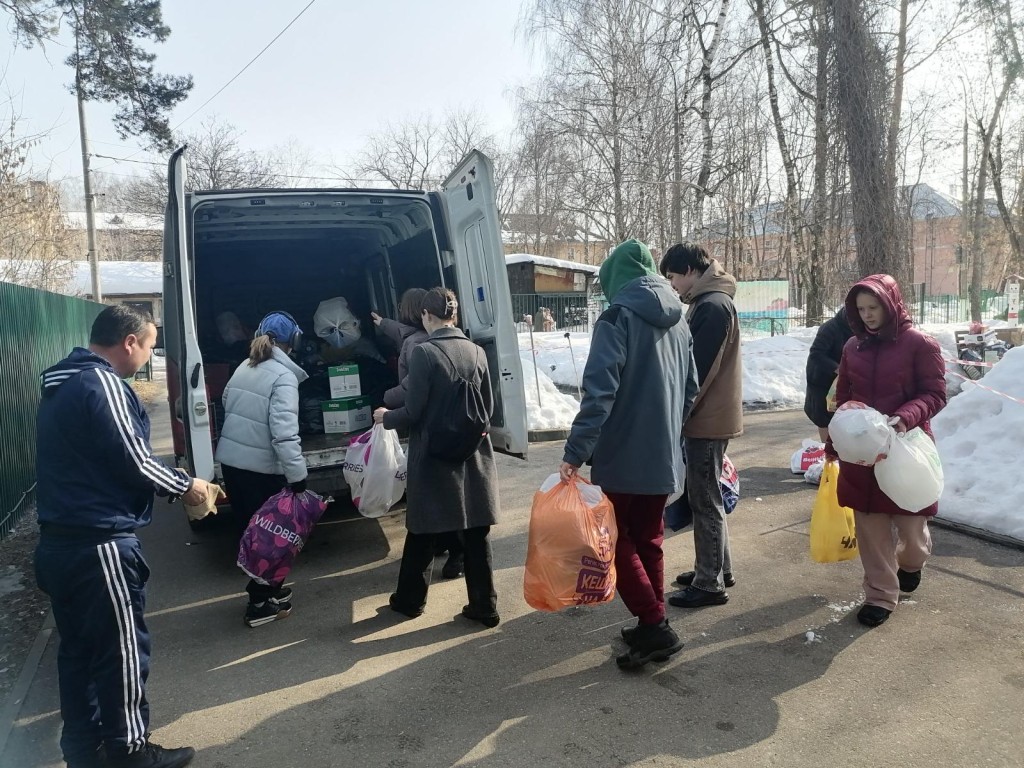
{"points": [[1011, 398]]}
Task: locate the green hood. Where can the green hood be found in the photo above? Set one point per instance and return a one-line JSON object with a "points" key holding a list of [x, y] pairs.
{"points": [[629, 260]]}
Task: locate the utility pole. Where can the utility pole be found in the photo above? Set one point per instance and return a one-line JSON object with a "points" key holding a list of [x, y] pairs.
{"points": [[90, 218]]}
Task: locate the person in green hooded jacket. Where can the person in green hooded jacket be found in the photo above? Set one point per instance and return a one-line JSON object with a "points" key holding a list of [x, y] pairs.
{"points": [[638, 386]]}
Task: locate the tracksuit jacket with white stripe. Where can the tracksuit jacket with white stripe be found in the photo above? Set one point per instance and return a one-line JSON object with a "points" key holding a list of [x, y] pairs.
{"points": [[94, 465]]}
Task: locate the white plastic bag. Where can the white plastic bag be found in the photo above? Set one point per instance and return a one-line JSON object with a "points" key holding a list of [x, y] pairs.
{"points": [[809, 454], [813, 473], [336, 323], [912, 474], [681, 471], [375, 470], [859, 434]]}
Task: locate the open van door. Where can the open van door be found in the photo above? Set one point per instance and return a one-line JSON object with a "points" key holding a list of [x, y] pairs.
{"points": [[485, 303], [193, 407]]}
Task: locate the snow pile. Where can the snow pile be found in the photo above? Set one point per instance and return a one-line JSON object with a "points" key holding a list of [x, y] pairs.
{"points": [[554, 358], [555, 410], [774, 370], [980, 437]]}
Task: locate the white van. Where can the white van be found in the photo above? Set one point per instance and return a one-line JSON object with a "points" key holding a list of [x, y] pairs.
{"points": [[252, 251]]}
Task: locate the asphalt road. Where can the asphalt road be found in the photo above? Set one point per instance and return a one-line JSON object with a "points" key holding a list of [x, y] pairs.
{"points": [[343, 683]]}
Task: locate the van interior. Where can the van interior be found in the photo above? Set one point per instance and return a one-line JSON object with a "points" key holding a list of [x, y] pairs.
{"points": [[256, 254]]}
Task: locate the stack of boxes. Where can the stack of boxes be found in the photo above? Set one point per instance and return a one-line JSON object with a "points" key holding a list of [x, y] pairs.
{"points": [[347, 411]]}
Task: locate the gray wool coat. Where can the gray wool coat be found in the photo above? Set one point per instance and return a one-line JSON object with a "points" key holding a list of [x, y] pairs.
{"points": [[445, 497]]}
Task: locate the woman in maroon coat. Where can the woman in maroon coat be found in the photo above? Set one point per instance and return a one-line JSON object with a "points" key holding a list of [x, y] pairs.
{"points": [[897, 370]]}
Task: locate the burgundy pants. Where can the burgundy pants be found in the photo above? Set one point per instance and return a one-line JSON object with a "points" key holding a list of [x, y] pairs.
{"points": [[639, 562]]}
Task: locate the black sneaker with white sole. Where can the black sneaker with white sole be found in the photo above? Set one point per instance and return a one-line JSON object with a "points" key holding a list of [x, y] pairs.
{"points": [[282, 595], [258, 614]]}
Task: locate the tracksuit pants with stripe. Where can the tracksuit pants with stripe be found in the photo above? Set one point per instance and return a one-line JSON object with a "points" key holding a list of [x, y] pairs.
{"points": [[97, 589]]}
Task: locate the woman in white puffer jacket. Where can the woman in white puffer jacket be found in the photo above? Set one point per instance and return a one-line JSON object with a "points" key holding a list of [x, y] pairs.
{"points": [[259, 449]]}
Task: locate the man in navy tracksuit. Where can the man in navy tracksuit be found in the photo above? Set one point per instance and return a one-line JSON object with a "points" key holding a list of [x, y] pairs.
{"points": [[96, 476]]}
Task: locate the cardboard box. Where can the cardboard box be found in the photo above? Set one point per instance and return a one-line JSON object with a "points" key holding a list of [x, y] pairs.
{"points": [[344, 380], [346, 415]]}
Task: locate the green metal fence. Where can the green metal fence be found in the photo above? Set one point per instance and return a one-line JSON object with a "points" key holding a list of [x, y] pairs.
{"points": [[36, 331]]}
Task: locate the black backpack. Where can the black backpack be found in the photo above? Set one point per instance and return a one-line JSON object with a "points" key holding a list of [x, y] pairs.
{"points": [[460, 424]]}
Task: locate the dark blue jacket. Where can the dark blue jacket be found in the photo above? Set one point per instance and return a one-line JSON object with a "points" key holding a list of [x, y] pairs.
{"points": [[94, 465], [639, 385]]}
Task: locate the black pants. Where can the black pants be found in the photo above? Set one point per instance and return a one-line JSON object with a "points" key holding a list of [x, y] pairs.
{"points": [[98, 593], [248, 491], [417, 567]]}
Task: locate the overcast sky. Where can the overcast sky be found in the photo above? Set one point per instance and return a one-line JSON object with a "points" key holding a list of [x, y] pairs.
{"points": [[339, 73]]}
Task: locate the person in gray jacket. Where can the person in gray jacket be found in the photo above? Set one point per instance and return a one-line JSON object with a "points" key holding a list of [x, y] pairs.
{"points": [[638, 386], [259, 449], [445, 498]]}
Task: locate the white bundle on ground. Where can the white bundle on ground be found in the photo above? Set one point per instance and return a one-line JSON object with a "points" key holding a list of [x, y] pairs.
{"points": [[811, 452], [813, 473]]}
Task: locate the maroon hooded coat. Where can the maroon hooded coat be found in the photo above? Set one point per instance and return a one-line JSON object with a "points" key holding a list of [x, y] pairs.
{"points": [[897, 371]]}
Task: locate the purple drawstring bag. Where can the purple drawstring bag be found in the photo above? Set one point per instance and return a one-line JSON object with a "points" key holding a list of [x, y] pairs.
{"points": [[277, 533]]}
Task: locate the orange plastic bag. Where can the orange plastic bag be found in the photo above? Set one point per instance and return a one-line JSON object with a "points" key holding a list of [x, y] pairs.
{"points": [[570, 558], [833, 537]]}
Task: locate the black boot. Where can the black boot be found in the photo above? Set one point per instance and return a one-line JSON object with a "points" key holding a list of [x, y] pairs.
{"points": [[651, 642], [873, 615], [909, 580]]}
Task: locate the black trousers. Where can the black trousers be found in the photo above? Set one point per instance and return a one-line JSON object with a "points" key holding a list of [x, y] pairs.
{"points": [[248, 491], [98, 593], [417, 567]]}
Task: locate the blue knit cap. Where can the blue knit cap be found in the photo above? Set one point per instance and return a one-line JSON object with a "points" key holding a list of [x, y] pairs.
{"points": [[281, 327]]}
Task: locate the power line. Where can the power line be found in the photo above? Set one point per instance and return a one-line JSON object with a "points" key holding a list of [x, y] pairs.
{"points": [[251, 62], [229, 82]]}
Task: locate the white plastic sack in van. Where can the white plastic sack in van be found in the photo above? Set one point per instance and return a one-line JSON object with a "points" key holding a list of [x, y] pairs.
{"points": [[859, 434], [912, 474], [375, 470], [336, 323]]}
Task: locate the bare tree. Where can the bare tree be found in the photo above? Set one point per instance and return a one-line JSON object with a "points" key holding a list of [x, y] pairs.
{"points": [[216, 160], [418, 153], [862, 80], [35, 245]]}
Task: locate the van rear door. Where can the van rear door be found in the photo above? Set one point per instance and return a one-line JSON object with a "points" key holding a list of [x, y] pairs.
{"points": [[194, 406], [485, 304]]}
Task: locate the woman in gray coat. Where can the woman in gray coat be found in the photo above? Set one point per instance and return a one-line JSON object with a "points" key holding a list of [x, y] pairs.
{"points": [[445, 497]]}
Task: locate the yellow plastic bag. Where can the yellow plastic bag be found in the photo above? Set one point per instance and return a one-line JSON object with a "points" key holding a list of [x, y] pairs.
{"points": [[570, 556], [833, 538], [830, 398]]}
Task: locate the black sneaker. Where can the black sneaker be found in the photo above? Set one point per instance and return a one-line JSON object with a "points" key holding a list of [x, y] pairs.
{"points": [[685, 579], [283, 595], [651, 642], [154, 756], [691, 597], [909, 580], [258, 614], [88, 760], [873, 615], [399, 607], [489, 620], [629, 633], [454, 568]]}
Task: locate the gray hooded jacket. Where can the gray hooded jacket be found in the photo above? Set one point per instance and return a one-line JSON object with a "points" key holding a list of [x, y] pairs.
{"points": [[638, 388]]}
